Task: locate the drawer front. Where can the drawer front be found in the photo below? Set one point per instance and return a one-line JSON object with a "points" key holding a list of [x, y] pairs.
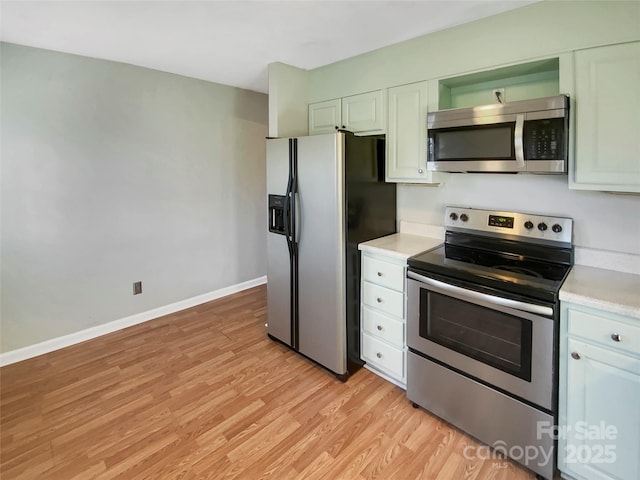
{"points": [[383, 273], [385, 328], [388, 301], [606, 331], [383, 356]]}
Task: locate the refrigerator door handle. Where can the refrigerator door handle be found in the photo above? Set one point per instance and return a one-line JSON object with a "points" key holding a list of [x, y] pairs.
{"points": [[298, 217], [288, 234], [288, 224], [293, 193], [292, 189]]}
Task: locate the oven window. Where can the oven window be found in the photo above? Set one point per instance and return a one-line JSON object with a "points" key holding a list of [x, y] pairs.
{"points": [[497, 339]]}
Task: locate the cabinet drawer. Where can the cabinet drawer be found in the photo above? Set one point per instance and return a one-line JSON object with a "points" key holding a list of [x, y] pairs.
{"points": [[383, 299], [383, 273], [606, 331], [383, 327], [383, 356]]}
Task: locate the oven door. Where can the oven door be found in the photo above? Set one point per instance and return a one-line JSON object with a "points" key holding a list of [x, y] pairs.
{"points": [[504, 343]]}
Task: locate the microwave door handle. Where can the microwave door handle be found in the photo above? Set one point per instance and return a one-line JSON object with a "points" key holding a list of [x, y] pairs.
{"points": [[518, 142]]}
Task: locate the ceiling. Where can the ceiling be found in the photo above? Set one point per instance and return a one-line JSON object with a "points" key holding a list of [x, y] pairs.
{"points": [[232, 42]]}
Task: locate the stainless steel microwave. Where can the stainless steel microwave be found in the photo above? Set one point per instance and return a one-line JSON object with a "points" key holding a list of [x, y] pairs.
{"points": [[524, 136]]}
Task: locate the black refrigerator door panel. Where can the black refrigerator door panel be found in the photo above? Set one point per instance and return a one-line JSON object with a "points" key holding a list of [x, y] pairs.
{"points": [[371, 203], [371, 213], [279, 282]]}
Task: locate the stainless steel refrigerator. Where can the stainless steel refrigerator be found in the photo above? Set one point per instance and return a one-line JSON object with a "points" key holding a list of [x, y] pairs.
{"points": [[326, 194]]}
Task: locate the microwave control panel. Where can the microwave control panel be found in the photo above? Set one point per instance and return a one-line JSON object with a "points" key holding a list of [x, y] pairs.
{"points": [[544, 139]]}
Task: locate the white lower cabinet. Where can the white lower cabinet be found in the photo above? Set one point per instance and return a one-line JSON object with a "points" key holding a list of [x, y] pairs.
{"points": [[382, 317], [599, 409]]}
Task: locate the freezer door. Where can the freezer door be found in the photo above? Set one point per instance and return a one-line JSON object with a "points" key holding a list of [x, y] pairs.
{"points": [[278, 259], [321, 245]]}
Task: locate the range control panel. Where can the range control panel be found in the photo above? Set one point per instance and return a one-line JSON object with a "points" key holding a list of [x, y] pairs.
{"points": [[529, 226]]}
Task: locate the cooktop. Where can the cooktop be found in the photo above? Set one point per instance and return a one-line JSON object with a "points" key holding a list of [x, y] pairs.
{"points": [[532, 265]]}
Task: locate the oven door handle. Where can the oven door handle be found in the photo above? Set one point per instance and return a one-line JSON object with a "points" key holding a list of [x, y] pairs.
{"points": [[491, 299]]}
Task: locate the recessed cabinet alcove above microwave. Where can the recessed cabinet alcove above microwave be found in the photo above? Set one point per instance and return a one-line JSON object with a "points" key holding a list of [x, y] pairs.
{"points": [[524, 136]]}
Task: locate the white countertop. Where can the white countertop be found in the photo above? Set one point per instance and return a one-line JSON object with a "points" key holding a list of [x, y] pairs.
{"points": [[400, 245], [609, 290]]}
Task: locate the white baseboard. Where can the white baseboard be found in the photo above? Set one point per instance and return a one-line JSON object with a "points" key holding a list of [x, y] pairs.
{"points": [[47, 346]]}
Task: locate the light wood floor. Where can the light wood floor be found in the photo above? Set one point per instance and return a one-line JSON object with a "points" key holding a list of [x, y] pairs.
{"points": [[204, 393]]}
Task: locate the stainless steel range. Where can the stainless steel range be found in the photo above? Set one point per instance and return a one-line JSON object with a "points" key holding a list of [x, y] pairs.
{"points": [[483, 316]]}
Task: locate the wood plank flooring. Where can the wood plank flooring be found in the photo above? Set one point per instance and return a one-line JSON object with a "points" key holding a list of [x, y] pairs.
{"points": [[204, 394]]}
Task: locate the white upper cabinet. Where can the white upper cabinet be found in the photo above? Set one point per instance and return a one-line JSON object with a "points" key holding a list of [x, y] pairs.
{"points": [[407, 135], [363, 113], [607, 119], [325, 117]]}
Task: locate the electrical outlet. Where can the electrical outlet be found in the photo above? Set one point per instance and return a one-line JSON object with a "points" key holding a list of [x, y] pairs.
{"points": [[498, 95], [137, 288]]}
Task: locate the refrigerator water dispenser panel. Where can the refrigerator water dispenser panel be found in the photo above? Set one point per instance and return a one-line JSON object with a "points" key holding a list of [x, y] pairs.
{"points": [[276, 213]]}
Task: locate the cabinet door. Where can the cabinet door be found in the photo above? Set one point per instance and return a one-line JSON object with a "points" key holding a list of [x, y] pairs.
{"points": [[607, 106], [324, 117], [364, 112], [407, 134], [601, 437]]}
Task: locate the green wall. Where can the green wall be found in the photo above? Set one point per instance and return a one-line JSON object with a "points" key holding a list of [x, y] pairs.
{"points": [[536, 30]]}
